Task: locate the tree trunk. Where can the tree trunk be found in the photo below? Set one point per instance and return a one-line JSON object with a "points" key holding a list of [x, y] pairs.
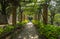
{"points": [[14, 16], [39, 15], [45, 14], [24, 17], [36, 17], [20, 15], [52, 18]]}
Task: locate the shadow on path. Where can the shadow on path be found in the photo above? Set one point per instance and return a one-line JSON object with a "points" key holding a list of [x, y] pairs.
{"points": [[29, 32]]}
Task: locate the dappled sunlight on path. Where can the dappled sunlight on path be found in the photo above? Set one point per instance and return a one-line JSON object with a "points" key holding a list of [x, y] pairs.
{"points": [[29, 32]]}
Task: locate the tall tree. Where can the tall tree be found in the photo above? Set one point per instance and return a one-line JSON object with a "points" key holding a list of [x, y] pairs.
{"points": [[45, 13], [45, 4], [39, 12], [15, 4]]}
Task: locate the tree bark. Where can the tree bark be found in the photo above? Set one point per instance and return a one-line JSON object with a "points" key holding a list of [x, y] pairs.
{"points": [[39, 16], [14, 16], [45, 14], [52, 17], [23, 17], [36, 16], [20, 15]]}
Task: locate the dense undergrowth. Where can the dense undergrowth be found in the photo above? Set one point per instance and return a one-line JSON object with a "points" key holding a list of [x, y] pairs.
{"points": [[47, 31], [9, 28]]}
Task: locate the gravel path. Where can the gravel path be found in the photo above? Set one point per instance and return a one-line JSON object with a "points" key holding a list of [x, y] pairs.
{"points": [[29, 32]]}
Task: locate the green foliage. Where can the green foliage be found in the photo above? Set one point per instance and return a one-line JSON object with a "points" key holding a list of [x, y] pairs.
{"points": [[9, 28], [29, 12], [1, 30], [22, 23], [34, 0], [6, 29], [36, 22], [57, 18], [45, 1], [49, 31]]}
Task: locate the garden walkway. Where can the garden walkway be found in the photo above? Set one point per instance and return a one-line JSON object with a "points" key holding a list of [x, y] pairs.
{"points": [[29, 32]]}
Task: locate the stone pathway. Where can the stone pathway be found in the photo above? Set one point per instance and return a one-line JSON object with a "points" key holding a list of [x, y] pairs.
{"points": [[29, 32]]}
